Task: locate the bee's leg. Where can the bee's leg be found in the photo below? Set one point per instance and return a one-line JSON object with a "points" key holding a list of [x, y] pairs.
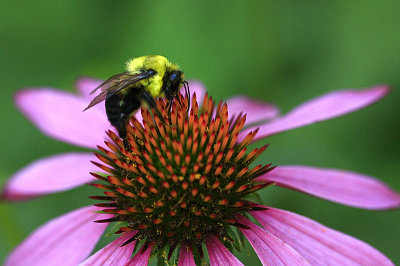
{"points": [[121, 128], [127, 146], [169, 110], [117, 117], [152, 103]]}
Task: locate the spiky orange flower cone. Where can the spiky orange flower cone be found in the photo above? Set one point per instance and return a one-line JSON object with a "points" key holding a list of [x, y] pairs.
{"points": [[179, 183]]}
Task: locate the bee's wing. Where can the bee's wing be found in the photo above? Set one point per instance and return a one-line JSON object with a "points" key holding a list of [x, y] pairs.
{"points": [[112, 81], [99, 98], [116, 83]]}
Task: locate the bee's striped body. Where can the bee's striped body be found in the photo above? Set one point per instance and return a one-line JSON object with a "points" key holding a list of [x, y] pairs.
{"points": [[146, 78]]}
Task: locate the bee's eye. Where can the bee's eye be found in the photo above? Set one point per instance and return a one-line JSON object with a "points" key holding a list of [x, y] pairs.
{"points": [[173, 76], [151, 72]]}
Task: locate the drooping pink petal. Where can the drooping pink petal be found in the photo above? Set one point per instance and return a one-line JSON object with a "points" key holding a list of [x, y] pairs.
{"points": [[65, 240], [85, 85], [219, 254], [113, 253], [256, 111], [141, 258], [318, 244], [270, 249], [186, 256], [325, 107], [49, 175], [336, 185], [59, 115]]}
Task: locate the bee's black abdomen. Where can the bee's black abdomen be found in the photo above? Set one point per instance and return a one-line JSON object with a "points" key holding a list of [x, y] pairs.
{"points": [[113, 108], [119, 108]]}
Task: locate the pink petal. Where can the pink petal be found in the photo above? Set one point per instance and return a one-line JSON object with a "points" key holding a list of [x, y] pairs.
{"points": [[65, 240], [336, 185], [219, 254], [256, 111], [270, 249], [59, 115], [198, 88], [318, 244], [141, 258], [113, 253], [325, 107], [186, 256], [85, 85], [49, 175]]}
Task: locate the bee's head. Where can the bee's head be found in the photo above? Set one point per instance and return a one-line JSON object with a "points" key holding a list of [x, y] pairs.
{"points": [[172, 83]]}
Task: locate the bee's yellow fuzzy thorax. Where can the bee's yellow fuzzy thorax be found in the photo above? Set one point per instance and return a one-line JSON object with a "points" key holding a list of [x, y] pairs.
{"points": [[156, 62]]}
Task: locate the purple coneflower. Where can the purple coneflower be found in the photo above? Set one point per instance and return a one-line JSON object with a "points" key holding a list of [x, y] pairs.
{"points": [[179, 187]]}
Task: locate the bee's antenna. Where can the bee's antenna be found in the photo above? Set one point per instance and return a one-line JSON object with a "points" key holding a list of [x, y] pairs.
{"points": [[187, 91]]}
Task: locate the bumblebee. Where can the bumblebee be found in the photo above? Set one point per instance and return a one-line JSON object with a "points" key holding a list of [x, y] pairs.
{"points": [[145, 78]]}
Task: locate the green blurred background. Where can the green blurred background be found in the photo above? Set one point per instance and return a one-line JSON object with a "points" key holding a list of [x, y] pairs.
{"points": [[284, 52]]}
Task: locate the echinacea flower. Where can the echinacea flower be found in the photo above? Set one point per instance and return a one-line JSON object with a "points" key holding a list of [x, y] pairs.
{"points": [[181, 186]]}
